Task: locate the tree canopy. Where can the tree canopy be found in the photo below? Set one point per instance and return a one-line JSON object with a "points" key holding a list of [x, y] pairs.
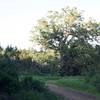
{"points": [[68, 33], [60, 28]]}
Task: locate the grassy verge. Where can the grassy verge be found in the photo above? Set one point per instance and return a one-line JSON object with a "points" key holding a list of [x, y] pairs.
{"points": [[77, 83], [44, 78]]}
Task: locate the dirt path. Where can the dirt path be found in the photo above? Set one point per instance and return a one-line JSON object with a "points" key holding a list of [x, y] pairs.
{"points": [[70, 94]]}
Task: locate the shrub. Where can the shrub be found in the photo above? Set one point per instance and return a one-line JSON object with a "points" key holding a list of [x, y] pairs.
{"points": [[95, 80], [32, 84], [8, 83]]}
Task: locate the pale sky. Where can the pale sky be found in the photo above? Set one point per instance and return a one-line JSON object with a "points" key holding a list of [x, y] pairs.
{"points": [[17, 17]]}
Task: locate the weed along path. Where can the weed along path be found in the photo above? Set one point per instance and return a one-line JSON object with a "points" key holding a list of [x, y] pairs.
{"points": [[70, 94]]}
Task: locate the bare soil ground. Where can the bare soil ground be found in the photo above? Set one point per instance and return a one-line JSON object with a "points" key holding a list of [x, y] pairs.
{"points": [[70, 94]]}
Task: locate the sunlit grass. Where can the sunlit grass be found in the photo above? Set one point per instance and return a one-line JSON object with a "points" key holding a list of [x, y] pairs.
{"points": [[77, 83]]}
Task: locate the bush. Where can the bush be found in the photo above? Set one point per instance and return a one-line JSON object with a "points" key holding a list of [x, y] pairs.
{"points": [[28, 83], [93, 78], [8, 83], [34, 95]]}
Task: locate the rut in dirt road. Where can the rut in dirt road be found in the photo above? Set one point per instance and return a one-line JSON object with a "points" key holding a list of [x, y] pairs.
{"points": [[70, 94]]}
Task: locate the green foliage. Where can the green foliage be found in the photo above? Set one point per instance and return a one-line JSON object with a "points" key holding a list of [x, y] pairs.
{"points": [[30, 95], [56, 27], [28, 83], [93, 75], [8, 83], [8, 76], [48, 61], [60, 30], [93, 78]]}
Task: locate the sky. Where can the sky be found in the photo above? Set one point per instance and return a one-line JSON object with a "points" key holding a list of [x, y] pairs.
{"points": [[17, 17]]}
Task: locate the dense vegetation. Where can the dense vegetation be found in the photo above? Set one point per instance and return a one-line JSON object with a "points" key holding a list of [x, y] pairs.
{"points": [[66, 42], [15, 82]]}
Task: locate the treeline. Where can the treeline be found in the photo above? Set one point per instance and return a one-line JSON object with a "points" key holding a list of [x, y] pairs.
{"points": [[27, 61], [19, 60], [79, 59]]}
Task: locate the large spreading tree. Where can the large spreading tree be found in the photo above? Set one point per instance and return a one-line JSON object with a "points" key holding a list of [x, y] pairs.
{"points": [[61, 29]]}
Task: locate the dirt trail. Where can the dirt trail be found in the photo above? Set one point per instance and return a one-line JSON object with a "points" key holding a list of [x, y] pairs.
{"points": [[70, 94]]}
